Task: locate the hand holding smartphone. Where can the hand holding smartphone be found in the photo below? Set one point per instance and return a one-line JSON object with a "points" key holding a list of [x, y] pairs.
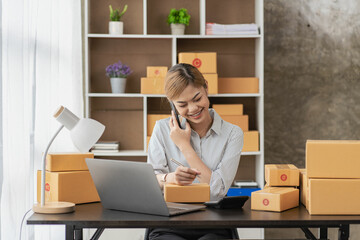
{"points": [[176, 114]]}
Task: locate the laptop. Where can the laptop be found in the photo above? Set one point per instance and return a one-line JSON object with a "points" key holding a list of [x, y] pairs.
{"points": [[133, 187]]}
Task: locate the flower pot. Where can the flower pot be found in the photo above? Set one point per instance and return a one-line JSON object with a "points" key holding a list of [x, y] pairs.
{"points": [[177, 29], [118, 85], [116, 27]]}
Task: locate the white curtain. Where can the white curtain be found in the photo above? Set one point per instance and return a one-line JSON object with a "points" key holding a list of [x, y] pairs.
{"points": [[42, 70]]}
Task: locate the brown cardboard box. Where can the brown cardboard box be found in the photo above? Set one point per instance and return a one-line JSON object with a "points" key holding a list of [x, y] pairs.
{"points": [[76, 187], [275, 199], [228, 109], [251, 141], [204, 61], [61, 162], [334, 197], [238, 85], [240, 120], [281, 175], [151, 120], [156, 71], [196, 192], [152, 85], [212, 79], [304, 189], [333, 158], [147, 142]]}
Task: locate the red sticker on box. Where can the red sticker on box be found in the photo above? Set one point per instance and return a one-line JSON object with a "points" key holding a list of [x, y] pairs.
{"points": [[283, 177], [47, 187], [196, 62], [157, 72], [266, 201]]}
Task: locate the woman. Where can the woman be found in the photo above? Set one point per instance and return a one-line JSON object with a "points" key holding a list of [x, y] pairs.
{"points": [[208, 147]]}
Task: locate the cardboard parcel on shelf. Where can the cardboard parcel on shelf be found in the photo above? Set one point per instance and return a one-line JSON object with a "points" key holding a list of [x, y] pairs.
{"points": [[204, 61]]}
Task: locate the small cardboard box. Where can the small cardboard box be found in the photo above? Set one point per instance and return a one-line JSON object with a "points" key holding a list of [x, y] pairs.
{"points": [[212, 79], [152, 85], [251, 141], [334, 197], [304, 189], [196, 192], [229, 109], [76, 187], [240, 120], [275, 199], [62, 162], [156, 71], [333, 158], [281, 175], [204, 61], [238, 85], [151, 120], [147, 142]]}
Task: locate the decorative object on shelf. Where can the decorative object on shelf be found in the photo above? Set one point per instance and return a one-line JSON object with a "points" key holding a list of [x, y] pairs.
{"points": [[115, 25], [178, 19], [84, 133], [118, 73]]}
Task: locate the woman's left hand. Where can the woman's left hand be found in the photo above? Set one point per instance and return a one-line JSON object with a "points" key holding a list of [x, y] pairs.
{"points": [[181, 137]]}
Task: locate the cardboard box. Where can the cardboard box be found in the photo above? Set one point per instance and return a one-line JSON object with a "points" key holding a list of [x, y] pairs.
{"points": [[240, 120], [156, 71], [204, 61], [228, 109], [151, 120], [334, 197], [196, 192], [238, 85], [212, 79], [153, 85], [76, 187], [333, 158], [147, 142], [251, 141], [275, 199], [281, 175], [61, 162], [304, 187]]}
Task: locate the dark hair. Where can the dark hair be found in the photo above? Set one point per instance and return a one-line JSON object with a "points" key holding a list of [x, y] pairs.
{"points": [[180, 76]]}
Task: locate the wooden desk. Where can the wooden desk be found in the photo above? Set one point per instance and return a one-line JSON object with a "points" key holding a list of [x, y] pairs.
{"points": [[94, 216]]}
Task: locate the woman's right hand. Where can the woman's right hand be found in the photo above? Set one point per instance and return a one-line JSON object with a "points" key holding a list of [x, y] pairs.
{"points": [[183, 175]]}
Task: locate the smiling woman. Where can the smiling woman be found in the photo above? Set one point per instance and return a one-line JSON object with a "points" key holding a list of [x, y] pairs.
{"points": [[207, 147]]}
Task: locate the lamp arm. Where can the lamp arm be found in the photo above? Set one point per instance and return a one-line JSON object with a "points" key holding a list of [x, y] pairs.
{"points": [[44, 166]]}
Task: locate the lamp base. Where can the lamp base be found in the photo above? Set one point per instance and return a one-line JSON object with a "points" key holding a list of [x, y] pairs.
{"points": [[54, 207]]}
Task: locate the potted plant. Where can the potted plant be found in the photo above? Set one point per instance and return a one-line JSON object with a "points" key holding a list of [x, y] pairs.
{"points": [[178, 19], [115, 25], [118, 73]]}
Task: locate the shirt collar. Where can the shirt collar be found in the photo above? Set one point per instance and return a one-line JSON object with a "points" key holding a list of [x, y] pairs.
{"points": [[216, 125]]}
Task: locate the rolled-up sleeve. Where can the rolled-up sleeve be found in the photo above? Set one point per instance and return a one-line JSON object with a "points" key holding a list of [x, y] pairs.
{"points": [[223, 176], [156, 151]]}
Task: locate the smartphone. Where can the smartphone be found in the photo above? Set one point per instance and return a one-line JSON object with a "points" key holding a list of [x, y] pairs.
{"points": [[176, 113]]}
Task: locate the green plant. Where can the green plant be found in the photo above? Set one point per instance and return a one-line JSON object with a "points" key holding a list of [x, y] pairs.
{"points": [[115, 15], [179, 16]]}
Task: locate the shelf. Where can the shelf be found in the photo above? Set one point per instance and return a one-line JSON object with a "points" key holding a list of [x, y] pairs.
{"points": [[167, 36], [162, 95], [142, 153]]}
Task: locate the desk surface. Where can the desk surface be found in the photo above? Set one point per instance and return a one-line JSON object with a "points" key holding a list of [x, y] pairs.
{"points": [[93, 215]]}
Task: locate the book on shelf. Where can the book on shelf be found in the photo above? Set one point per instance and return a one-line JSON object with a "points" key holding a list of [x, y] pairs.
{"points": [[106, 145], [231, 29], [104, 150], [245, 183]]}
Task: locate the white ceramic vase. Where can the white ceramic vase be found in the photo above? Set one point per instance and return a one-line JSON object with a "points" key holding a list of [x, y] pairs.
{"points": [[116, 27], [118, 85], [177, 29]]}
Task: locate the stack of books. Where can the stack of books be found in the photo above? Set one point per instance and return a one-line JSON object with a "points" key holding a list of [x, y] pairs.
{"points": [[105, 146], [231, 29]]}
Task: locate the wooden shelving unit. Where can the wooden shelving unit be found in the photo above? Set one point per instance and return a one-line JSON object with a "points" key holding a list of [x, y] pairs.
{"points": [[147, 42]]}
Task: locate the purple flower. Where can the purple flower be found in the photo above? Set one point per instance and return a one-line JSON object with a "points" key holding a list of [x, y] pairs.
{"points": [[118, 70]]}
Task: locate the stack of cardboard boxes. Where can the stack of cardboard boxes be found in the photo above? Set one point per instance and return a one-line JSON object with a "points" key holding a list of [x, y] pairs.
{"points": [[331, 180], [280, 192], [153, 83], [67, 179]]}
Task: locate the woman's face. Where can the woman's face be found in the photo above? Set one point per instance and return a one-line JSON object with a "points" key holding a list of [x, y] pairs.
{"points": [[193, 104]]}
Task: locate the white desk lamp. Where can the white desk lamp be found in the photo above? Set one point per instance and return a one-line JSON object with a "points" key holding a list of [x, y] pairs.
{"points": [[84, 134]]}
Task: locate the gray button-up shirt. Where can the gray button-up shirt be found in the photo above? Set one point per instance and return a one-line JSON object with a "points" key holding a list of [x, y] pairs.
{"points": [[219, 149]]}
